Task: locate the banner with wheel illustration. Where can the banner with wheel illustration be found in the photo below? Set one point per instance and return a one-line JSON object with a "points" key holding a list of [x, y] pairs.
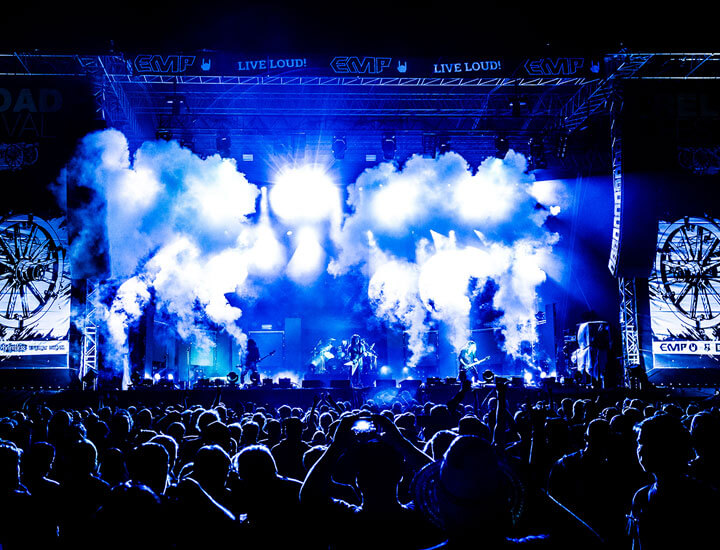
{"points": [[34, 286], [41, 121], [684, 291]]}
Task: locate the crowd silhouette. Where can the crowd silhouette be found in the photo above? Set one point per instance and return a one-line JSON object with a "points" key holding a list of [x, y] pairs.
{"points": [[400, 474]]}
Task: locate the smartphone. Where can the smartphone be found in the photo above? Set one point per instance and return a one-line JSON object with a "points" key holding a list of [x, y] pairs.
{"points": [[364, 429]]}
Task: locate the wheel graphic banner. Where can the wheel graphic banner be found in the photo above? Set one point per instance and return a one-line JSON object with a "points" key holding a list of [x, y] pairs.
{"points": [[34, 286], [684, 289]]}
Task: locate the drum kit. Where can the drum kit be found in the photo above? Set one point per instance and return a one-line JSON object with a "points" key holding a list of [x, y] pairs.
{"points": [[331, 357]]}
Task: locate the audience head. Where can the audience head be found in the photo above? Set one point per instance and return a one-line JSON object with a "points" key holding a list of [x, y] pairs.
{"points": [[663, 446], [255, 464], [82, 459], [176, 430], [705, 433], [9, 465], [38, 459], [148, 464], [211, 467], [469, 491]]}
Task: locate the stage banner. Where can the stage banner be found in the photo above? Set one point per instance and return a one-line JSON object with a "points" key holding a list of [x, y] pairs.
{"points": [[213, 63], [684, 293], [41, 121]]}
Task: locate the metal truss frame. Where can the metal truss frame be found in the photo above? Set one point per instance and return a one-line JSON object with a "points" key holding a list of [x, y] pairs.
{"points": [[629, 322], [88, 361], [348, 81]]}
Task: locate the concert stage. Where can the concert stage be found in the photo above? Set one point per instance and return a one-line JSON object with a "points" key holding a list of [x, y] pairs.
{"points": [[413, 205]]}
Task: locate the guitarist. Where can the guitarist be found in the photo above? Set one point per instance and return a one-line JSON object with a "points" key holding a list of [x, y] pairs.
{"points": [[252, 357], [355, 353], [467, 363]]}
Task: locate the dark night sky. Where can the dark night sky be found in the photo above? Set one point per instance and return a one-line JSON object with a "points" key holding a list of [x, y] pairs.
{"points": [[377, 27]]}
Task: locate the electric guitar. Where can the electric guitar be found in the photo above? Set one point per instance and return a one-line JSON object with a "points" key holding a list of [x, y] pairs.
{"points": [[462, 366], [254, 363], [354, 365]]}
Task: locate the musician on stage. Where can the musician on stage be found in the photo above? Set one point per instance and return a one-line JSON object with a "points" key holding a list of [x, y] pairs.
{"points": [[252, 356], [355, 354], [467, 363]]}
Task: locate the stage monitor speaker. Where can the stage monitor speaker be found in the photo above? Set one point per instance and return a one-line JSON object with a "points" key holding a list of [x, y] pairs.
{"points": [[344, 384], [411, 386], [517, 382], [451, 380], [384, 383], [284, 383], [267, 382], [312, 384]]}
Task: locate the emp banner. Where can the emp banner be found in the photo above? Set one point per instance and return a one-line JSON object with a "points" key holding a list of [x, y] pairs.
{"points": [[684, 291]]}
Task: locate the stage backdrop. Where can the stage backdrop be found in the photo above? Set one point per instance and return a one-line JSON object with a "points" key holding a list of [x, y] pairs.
{"points": [[40, 123]]}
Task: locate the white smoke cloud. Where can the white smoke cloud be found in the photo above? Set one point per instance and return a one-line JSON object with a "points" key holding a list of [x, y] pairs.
{"points": [[175, 223], [487, 224], [427, 236]]}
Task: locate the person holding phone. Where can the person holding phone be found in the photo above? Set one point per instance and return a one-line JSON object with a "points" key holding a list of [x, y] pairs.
{"points": [[373, 448]]}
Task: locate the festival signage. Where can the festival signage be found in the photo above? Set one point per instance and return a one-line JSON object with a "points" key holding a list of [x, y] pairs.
{"points": [[684, 292], [558, 66], [204, 63], [40, 123], [474, 66]]}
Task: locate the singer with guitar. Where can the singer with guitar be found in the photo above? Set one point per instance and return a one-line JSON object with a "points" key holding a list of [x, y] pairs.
{"points": [[468, 362]]}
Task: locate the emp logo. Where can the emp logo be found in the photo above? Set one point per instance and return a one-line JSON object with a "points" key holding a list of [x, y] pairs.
{"points": [[564, 66], [163, 63], [366, 65]]}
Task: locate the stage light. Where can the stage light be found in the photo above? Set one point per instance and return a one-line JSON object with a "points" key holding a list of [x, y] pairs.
{"points": [[389, 147], [171, 377], [502, 146], [406, 370], [528, 377], [305, 194], [429, 145], [223, 144], [488, 376], [443, 145], [308, 260], [175, 102], [156, 377], [339, 146], [385, 370], [232, 378], [517, 105], [163, 134], [537, 153], [562, 145], [148, 376]]}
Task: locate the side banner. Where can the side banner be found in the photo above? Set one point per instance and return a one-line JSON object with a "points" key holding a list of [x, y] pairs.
{"points": [[684, 289]]}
